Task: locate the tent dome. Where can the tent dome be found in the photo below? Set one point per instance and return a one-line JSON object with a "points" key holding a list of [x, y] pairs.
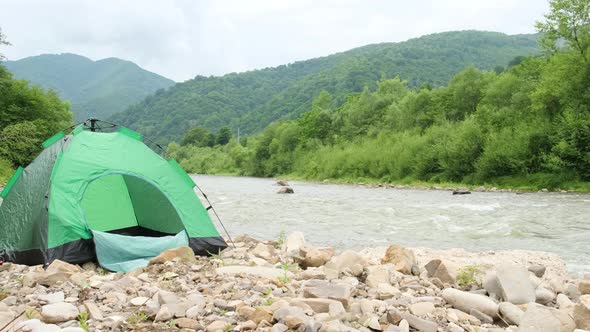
{"points": [[101, 195]]}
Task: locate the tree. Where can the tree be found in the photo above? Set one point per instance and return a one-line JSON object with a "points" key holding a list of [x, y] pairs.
{"points": [[223, 136], [570, 20], [28, 115], [3, 41], [198, 136]]}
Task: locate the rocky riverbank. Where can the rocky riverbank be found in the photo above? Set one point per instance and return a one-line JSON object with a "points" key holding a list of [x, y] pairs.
{"points": [[290, 285]]}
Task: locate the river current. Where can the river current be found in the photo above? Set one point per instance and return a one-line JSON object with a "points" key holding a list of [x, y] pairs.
{"points": [[354, 216]]}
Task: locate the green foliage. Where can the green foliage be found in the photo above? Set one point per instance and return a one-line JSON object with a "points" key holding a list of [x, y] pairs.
{"points": [[197, 136], [83, 319], [253, 100], [568, 20], [137, 318], [223, 136], [527, 126], [5, 171], [285, 277], [28, 116], [94, 88], [467, 276]]}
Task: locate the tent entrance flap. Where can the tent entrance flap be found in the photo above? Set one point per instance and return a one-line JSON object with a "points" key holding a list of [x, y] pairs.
{"points": [[121, 253], [119, 202]]}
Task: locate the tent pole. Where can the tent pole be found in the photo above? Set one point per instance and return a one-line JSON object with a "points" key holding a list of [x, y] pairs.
{"points": [[216, 215]]}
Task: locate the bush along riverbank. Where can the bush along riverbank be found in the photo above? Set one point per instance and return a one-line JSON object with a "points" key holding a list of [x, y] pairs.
{"points": [[290, 285]]}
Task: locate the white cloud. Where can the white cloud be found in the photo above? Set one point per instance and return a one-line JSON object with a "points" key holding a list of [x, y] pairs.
{"points": [[180, 39]]}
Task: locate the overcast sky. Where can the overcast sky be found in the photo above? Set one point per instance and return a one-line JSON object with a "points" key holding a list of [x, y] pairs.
{"points": [[183, 38]]}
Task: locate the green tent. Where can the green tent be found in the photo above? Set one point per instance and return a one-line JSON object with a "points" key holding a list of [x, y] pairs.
{"points": [[106, 196]]}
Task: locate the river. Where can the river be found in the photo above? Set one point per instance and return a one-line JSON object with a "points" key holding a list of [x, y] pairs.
{"points": [[353, 216]]}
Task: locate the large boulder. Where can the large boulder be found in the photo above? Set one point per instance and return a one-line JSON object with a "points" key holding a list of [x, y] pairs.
{"points": [[315, 257], [514, 284], [403, 259], [582, 313], [538, 318], [511, 313], [348, 262], [377, 274], [293, 244], [59, 312], [443, 270], [266, 252], [183, 254], [466, 301], [328, 290]]}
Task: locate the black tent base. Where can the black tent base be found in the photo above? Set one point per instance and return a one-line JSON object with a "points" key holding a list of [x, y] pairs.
{"points": [[82, 251]]}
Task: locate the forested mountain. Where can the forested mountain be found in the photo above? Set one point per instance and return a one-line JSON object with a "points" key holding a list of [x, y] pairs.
{"points": [[94, 88], [251, 100]]}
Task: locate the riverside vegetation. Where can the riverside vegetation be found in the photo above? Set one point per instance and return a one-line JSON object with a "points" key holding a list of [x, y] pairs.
{"points": [[527, 126], [291, 285]]}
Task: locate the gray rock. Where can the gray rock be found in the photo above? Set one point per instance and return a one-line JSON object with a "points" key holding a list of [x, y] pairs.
{"points": [[377, 274], [334, 326], [455, 328], [294, 242], [490, 284], [278, 327], [59, 312], [538, 270], [164, 314], [537, 319], [481, 316], [318, 305], [419, 323], [336, 309], [35, 325], [466, 301], [348, 262], [286, 190], [93, 310], [328, 290], [387, 291], [511, 313], [543, 295], [394, 316], [442, 270], [422, 308], [514, 283], [165, 297], [534, 311]]}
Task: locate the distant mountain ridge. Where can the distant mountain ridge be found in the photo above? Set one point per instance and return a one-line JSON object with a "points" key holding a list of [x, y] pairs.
{"points": [[94, 88], [252, 100]]}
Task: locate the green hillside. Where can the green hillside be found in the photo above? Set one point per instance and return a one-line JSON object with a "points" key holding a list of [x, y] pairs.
{"points": [[251, 100], [94, 88]]}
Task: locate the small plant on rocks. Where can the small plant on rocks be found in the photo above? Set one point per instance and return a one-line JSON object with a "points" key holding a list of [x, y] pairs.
{"points": [[285, 277], [137, 318], [83, 319], [281, 238], [467, 276]]}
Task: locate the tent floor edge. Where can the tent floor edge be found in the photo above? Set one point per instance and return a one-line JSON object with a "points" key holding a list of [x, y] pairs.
{"points": [[26, 257], [75, 252], [207, 246]]}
